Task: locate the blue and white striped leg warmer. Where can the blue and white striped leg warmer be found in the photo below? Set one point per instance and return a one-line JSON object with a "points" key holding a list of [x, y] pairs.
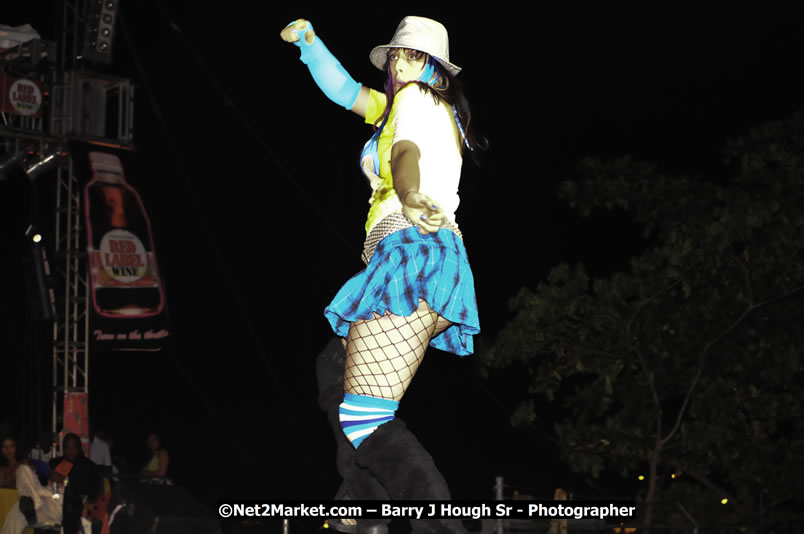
{"points": [[360, 415]]}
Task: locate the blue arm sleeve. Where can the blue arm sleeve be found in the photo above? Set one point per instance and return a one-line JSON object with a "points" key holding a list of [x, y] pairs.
{"points": [[327, 71]]}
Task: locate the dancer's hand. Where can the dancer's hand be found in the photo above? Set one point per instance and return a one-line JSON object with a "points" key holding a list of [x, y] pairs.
{"points": [[422, 211], [289, 35]]}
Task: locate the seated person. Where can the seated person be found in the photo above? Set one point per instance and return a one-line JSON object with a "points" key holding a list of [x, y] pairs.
{"points": [[40, 456], [57, 503], [10, 459], [100, 453], [157, 466], [41, 450]]}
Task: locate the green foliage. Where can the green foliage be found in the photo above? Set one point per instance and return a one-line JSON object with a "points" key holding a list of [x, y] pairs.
{"points": [[693, 357]]}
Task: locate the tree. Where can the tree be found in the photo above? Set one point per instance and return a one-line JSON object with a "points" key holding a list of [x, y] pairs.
{"points": [[690, 362]]}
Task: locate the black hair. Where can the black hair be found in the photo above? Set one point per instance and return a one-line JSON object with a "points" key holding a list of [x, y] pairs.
{"points": [[158, 438], [73, 437], [19, 454], [446, 88]]}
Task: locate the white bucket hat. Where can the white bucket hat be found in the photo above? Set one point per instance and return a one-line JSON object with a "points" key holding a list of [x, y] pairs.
{"points": [[418, 33]]}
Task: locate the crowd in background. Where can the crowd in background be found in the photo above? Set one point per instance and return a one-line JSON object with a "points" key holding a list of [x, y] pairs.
{"points": [[55, 483]]}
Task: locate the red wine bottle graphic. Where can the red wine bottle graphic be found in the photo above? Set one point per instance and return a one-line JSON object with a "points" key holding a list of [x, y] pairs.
{"points": [[123, 271]]}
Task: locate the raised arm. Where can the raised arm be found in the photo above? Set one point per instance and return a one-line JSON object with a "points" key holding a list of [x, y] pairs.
{"points": [[329, 75]]}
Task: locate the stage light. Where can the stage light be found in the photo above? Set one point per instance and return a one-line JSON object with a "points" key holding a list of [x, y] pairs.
{"points": [[33, 234], [724, 500], [42, 164], [44, 298], [641, 477]]}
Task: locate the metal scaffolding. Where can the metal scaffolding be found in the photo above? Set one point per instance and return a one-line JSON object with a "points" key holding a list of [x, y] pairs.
{"points": [[78, 104], [71, 327]]}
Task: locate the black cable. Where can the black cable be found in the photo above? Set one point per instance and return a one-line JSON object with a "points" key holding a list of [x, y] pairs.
{"points": [[230, 104], [287, 408]]}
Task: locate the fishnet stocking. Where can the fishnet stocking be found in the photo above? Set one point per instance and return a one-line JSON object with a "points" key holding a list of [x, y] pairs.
{"points": [[383, 353]]}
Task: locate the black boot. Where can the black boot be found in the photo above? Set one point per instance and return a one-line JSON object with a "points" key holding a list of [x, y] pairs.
{"points": [[358, 482], [28, 510], [407, 472]]}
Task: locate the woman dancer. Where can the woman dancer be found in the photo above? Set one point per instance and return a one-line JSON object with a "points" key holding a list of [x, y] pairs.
{"points": [[417, 289]]}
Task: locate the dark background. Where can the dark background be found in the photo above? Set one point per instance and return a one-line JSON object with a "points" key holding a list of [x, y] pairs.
{"points": [[257, 205]]}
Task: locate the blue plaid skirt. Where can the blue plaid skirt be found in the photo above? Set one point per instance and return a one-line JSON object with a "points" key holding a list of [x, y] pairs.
{"points": [[408, 266]]}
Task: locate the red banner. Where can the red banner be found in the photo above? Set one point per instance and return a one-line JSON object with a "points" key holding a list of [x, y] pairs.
{"points": [[76, 417]]}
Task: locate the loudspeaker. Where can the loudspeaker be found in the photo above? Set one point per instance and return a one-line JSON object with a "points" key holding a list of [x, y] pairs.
{"points": [[159, 509]]}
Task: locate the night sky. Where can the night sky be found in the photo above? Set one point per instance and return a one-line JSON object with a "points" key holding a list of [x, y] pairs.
{"points": [[257, 206]]}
